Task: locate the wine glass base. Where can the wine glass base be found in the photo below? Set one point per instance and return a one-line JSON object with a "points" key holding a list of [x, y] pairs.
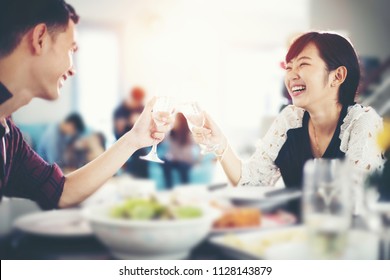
{"points": [[151, 157]]}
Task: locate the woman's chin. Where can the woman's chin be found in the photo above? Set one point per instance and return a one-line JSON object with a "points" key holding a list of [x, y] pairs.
{"points": [[299, 102]]}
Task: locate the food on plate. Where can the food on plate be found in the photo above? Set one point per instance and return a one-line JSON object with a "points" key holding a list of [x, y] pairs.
{"points": [[151, 209], [258, 246], [239, 218]]}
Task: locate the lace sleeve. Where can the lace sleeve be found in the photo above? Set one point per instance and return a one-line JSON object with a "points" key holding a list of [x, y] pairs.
{"points": [[358, 138], [260, 169]]}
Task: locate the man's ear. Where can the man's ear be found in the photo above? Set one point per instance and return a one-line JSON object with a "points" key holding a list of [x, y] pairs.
{"points": [[40, 37], [340, 74]]}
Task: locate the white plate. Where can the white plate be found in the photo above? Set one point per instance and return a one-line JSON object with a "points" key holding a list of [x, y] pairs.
{"points": [[361, 245], [252, 245], [267, 222], [245, 193], [257, 196], [56, 223], [290, 244]]}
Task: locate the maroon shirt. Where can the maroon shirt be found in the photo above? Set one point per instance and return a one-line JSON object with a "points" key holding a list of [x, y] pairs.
{"points": [[23, 173]]}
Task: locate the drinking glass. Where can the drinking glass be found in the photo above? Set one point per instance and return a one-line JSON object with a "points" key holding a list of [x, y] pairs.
{"points": [[196, 118], [326, 207], [382, 210], [163, 107]]}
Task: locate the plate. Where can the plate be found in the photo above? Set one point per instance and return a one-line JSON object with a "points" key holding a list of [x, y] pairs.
{"points": [[290, 244], [268, 221], [252, 245], [55, 223], [258, 196], [245, 193]]}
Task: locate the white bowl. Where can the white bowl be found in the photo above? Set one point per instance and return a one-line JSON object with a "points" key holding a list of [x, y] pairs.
{"points": [[154, 239]]}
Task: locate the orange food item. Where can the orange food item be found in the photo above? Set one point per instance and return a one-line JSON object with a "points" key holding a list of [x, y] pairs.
{"points": [[239, 217]]}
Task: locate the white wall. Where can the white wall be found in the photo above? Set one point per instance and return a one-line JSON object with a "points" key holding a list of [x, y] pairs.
{"points": [[42, 111], [366, 21], [225, 54], [209, 45]]}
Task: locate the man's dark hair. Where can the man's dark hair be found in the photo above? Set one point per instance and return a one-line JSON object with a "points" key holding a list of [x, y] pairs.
{"points": [[17, 17], [77, 121], [336, 51]]}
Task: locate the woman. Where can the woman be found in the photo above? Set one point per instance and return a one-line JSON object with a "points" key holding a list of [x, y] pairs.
{"points": [[322, 77]]}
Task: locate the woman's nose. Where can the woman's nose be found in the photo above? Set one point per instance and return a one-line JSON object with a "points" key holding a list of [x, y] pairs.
{"points": [[292, 75]]}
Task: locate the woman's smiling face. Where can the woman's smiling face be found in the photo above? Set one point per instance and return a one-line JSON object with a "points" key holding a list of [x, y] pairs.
{"points": [[307, 78]]}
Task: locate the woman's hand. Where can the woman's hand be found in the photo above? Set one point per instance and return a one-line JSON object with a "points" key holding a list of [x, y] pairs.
{"points": [[210, 135], [145, 130]]}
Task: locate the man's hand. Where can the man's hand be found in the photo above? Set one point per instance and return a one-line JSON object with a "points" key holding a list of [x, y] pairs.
{"points": [[145, 129]]}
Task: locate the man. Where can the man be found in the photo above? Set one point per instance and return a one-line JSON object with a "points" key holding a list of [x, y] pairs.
{"points": [[36, 47], [125, 116]]}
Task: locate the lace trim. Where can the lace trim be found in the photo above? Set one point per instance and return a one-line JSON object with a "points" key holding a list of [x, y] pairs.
{"points": [[358, 137], [353, 114], [360, 121], [260, 169]]}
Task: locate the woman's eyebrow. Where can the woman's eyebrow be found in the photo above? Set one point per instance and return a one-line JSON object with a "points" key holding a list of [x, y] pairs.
{"points": [[303, 57]]}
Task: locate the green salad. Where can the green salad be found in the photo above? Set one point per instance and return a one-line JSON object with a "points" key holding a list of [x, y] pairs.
{"points": [[151, 209]]}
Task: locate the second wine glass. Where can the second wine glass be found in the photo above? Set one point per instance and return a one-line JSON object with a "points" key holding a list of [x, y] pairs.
{"points": [[196, 118], [163, 108]]}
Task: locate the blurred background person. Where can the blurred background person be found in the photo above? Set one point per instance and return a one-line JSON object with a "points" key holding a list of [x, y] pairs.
{"points": [[58, 138], [125, 115], [83, 150], [182, 153]]}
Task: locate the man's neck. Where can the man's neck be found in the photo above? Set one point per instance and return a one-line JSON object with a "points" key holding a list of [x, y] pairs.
{"points": [[13, 104], [12, 76]]}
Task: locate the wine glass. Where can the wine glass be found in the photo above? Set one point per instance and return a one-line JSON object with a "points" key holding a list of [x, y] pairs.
{"points": [[382, 210], [327, 207], [163, 107], [196, 118]]}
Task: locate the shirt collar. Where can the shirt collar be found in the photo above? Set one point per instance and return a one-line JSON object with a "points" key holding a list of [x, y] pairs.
{"points": [[4, 129], [5, 94]]}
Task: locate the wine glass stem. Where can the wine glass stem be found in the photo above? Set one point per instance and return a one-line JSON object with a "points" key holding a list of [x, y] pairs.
{"points": [[154, 148], [207, 148], [206, 141]]}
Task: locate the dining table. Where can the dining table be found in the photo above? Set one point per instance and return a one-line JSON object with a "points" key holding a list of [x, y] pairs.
{"points": [[23, 246], [19, 244]]}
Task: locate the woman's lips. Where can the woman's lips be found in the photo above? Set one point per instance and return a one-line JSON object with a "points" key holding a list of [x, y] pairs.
{"points": [[297, 90], [298, 93]]}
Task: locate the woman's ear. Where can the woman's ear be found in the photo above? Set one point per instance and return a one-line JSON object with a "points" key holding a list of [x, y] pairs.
{"points": [[339, 76], [39, 38]]}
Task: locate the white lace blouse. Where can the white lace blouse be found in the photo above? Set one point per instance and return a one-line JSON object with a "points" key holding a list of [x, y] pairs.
{"points": [[357, 134]]}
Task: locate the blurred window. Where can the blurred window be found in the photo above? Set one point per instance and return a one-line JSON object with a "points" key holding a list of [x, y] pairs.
{"points": [[98, 67]]}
